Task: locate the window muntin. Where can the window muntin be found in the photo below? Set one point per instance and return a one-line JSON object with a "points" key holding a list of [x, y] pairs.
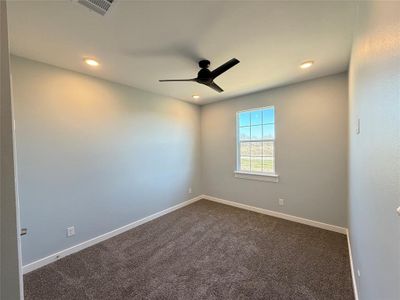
{"points": [[256, 141]]}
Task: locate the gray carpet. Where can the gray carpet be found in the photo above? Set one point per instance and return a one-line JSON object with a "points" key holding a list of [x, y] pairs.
{"points": [[204, 251]]}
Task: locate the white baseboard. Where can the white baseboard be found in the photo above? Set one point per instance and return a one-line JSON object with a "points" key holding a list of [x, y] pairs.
{"points": [[353, 274], [279, 215], [55, 256]]}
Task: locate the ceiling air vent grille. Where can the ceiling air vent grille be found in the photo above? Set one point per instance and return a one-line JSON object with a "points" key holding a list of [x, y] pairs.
{"points": [[99, 6]]}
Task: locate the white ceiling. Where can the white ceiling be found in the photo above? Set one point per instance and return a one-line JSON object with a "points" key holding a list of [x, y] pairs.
{"points": [[139, 42]]}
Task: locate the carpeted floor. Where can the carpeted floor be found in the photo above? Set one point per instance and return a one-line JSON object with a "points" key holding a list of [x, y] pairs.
{"points": [[204, 251]]}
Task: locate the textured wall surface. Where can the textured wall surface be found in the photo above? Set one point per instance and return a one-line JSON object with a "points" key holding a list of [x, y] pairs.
{"points": [[375, 153], [311, 150], [10, 279], [96, 155]]}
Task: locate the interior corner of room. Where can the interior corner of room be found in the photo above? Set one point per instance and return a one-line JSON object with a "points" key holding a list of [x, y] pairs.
{"points": [[150, 152]]}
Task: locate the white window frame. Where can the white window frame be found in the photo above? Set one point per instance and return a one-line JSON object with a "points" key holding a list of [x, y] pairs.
{"points": [[260, 176]]}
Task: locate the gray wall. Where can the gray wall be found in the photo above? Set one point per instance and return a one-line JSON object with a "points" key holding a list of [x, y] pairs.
{"points": [[311, 150], [374, 189], [10, 280], [96, 155]]}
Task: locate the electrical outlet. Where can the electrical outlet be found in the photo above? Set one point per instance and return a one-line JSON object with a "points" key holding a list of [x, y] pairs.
{"points": [[190, 190], [70, 231], [281, 202], [358, 273]]}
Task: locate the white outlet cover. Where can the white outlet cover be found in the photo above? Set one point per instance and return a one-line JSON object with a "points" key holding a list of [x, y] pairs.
{"points": [[281, 202], [190, 190], [71, 231]]}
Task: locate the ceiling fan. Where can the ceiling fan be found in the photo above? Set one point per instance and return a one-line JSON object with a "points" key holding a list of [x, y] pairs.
{"points": [[206, 77]]}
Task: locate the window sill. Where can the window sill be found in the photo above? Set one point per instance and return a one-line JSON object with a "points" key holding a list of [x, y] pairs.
{"points": [[257, 176]]}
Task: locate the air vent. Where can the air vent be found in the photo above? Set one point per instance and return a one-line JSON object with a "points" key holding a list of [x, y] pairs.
{"points": [[99, 6]]}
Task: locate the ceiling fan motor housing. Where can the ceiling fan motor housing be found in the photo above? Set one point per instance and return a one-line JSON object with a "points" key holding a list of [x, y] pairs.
{"points": [[204, 76]]}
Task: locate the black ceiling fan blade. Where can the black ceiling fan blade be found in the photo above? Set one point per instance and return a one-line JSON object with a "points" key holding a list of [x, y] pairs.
{"points": [[225, 67], [215, 87], [165, 80]]}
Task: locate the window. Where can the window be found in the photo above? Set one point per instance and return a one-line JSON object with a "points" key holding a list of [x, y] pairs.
{"points": [[256, 141]]}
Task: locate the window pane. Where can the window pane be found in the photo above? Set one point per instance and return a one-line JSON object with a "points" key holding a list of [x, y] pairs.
{"points": [[245, 163], [244, 133], [244, 119], [268, 116], [256, 117], [268, 165], [256, 155], [256, 132], [256, 149], [244, 149], [269, 131], [256, 164], [268, 148]]}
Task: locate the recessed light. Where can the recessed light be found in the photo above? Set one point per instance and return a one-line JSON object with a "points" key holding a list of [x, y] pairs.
{"points": [[196, 96], [306, 64], [91, 62]]}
